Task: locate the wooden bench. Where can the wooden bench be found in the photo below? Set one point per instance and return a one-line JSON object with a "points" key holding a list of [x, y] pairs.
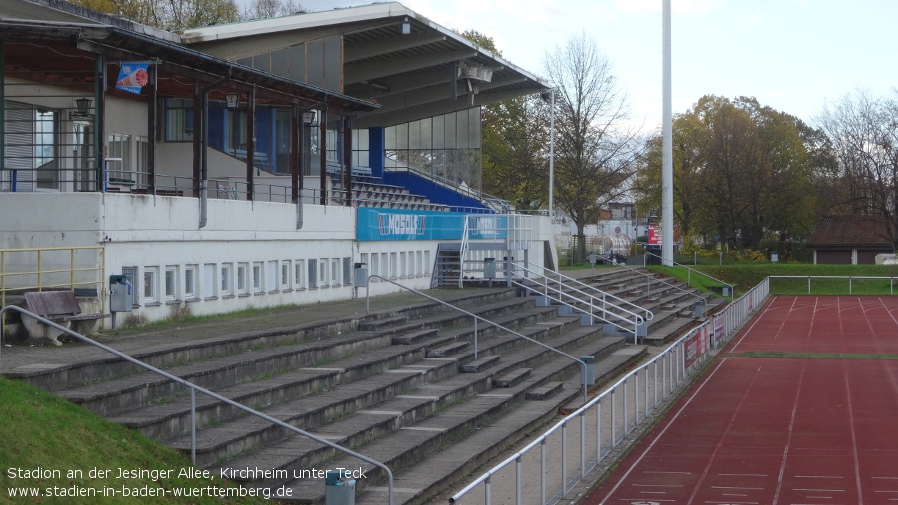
{"points": [[60, 307]]}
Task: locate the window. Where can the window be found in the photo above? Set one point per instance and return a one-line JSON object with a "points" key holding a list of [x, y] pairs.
{"points": [[257, 277], [313, 274], [322, 272], [241, 278], [131, 274], [271, 276], [171, 283], [190, 272], [285, 274], [335, 272], [394, 270], [143, 167], [119, 159], [45, 152], [150, 288], [226, 279], [178, 120], [299, 274], [236, 130], [209, 280]]}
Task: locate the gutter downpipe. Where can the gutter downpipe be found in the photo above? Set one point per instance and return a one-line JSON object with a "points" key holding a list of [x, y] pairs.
{"points": [[204, 166]]}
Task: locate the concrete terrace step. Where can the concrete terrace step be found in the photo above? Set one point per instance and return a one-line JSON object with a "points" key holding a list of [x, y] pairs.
{"points": [[134, 391], [513, 378], [231, 437], [297, 452], [414, 337], [378, 324], [447, 350], [430, 465], [479, 365], [544, 392]]}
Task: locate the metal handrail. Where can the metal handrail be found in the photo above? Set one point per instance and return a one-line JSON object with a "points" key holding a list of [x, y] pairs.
{"points": [[583, 366], [462, 249], [194, 388], [587, 287], [726, 322], [689, 274], [662, 281], [637, 320]]}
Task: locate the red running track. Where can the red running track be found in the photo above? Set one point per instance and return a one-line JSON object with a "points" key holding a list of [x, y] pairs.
{"points": [[798, 430]]}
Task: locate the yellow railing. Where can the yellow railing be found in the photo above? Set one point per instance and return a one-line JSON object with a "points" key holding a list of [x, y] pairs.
{"points": [[39, 269]]}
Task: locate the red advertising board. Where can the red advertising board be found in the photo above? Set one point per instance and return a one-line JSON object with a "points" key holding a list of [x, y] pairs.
{"points": [[654, 237], [697, 345]]}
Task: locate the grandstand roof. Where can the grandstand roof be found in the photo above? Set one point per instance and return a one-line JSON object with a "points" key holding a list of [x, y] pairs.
{"points": [[410, 74]]}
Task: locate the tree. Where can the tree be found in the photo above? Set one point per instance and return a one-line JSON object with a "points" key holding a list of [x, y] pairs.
{"points": [[595, 151], [168, 14], [863, 131], [258, 9], [742, 172]]}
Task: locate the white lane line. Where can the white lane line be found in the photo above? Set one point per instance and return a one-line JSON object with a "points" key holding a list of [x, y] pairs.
{"points": [[854, 450], [779, 480]]}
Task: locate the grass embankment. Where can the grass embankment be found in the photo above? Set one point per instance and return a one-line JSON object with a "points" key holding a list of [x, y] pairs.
{"points": [[747, 276], [61, 451]]}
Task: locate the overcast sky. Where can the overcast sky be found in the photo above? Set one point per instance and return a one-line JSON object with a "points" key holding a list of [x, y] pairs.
{"points": [[792, 55]]}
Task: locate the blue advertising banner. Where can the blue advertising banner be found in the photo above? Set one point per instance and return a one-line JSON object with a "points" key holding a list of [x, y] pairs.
{"points": [[132, 77], [388, 224]]}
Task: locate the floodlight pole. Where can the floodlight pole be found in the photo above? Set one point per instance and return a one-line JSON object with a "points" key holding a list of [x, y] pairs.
{"points": [[667, 235]]}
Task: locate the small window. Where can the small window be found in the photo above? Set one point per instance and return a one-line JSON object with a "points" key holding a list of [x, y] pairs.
{"points": [[257, 277], [190, 272], [171, 283], [299, 274], [322, 272], [226, 273], [271, 276], [150, 288], [335, 272], [241, 278], [209, 280], [285, 274]]}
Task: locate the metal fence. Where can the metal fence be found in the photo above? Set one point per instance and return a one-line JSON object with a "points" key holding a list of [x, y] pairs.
{"points": [[548, 468]]}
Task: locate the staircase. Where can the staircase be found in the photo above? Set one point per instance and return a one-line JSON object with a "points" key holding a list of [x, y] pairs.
{"points": [[447, 269]]}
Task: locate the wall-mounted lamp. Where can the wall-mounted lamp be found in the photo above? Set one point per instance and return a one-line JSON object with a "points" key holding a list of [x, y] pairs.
{"points": [[310, 118], [406, 27], [82, 108], [232, 100]]}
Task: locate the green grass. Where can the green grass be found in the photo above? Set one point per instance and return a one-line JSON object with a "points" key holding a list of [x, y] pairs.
{"points": [[41, 430], [747, 276]]}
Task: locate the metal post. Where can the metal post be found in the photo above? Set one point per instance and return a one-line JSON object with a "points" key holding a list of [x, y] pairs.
{"points": [[563, 459], [193, 426], [542, 472], [486, 490], [598, 432], [517, 494], [582, 444], [475, 338]]}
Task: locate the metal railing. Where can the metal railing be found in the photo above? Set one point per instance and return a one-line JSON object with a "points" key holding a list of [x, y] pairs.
{"points": [[563, 289], [614, 414], [194, 389], [583, 365], [689, 274], [66, 270], [850, 278], [650, 277]]}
